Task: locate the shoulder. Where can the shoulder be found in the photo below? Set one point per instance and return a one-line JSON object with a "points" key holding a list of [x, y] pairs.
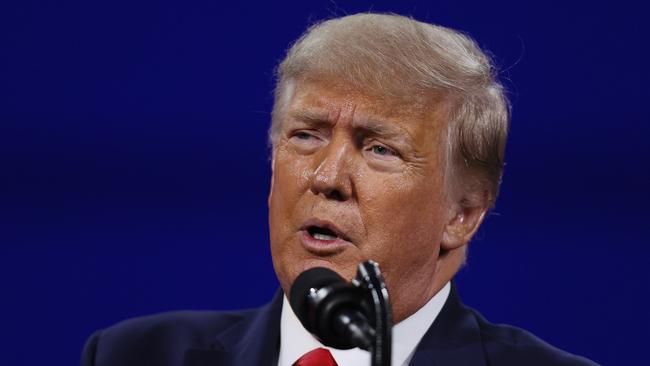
{"points": [[508, 345], [159, 339]]}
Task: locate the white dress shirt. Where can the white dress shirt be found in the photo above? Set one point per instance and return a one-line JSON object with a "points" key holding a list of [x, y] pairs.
{"points": [[295, 340]]}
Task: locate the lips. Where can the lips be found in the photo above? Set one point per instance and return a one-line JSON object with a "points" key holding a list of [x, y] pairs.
{"points": [[323, 237], [321, 233]]}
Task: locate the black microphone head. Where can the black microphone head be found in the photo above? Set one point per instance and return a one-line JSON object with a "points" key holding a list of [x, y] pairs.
{"points": [[331, 309], [314, 278]]}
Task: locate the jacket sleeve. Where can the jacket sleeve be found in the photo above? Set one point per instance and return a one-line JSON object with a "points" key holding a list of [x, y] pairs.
{"points": [[90, 350]]}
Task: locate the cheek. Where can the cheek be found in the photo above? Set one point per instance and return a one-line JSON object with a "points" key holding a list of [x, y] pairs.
{"points": [[290, 182], [405, 221], [290, 178]]}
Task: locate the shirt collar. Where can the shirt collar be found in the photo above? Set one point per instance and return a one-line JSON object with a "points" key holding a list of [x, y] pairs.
{"points": [[295, 340]]}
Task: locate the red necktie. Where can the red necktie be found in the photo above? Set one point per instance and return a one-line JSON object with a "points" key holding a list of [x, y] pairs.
{"points": [[317, 357]]}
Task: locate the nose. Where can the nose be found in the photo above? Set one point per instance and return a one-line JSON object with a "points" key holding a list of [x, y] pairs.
{"points": [[332, 176]]}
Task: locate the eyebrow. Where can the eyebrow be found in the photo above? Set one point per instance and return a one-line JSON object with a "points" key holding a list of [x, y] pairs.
{"points": [[376, 126], [372, 126], [311, 117], [383, 128]]}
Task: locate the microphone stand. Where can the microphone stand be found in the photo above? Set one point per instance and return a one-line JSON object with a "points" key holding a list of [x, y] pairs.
{"points": [[370, 279]]}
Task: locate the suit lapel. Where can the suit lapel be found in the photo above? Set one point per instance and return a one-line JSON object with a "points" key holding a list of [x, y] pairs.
{"points": [[453, 339], [254, 340]]}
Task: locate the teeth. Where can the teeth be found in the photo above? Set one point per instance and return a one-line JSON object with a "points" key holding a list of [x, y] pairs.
{"points": [[320, 236]]}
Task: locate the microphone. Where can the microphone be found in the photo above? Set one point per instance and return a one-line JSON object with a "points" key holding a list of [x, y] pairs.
{"points": [[333, 310]]}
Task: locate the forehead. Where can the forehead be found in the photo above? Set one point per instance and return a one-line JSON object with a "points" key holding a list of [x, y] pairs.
{"points": [[331, 98]]}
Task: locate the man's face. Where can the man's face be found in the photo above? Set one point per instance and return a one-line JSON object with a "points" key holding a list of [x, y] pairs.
{"points": [[359, 177]]}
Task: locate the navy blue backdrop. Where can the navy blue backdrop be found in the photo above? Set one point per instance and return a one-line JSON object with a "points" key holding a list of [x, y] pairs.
{"points": [[134, 168]]}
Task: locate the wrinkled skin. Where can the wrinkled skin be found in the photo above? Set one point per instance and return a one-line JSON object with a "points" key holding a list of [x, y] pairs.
{"points": [[374, 169]]}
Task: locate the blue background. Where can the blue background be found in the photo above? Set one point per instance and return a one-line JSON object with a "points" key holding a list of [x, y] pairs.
{"points": [[134, 167]]}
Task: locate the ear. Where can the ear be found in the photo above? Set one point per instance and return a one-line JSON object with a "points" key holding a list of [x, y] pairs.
{"points": [[462, 225]]}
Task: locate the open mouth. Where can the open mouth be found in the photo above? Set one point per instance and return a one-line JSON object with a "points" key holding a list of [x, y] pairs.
{"points": [[321, 233]]}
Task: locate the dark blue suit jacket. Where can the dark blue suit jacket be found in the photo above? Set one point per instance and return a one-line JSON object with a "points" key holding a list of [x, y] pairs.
{"points": [[459, 336]]}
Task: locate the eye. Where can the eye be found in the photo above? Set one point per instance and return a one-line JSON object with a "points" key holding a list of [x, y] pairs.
{"points": [[304, 136], [301, 135], [305, 141], [380, 155], [382, 150]]}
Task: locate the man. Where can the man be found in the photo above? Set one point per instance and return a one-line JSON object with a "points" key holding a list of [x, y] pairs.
{"points": [[388, 138]]}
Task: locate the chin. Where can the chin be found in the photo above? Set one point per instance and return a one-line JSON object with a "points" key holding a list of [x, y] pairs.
{"points": [[293, 268]]}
